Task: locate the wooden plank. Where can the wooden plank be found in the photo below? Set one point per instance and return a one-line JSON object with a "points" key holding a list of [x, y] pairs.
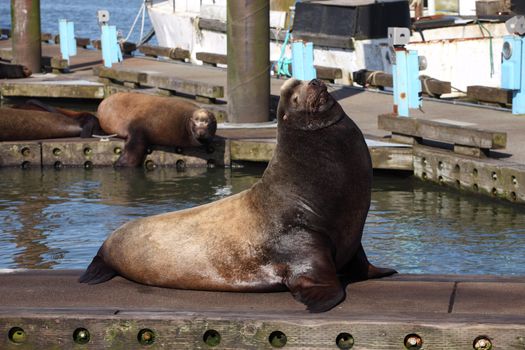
{"points": [[55, 331], [184, 86], [173, 53], [489, 94], [491, 177], [392, 158], [69, 89], [120, 75], [252, 150], [443, 132], [328, 73], [23, 154], [80, 42], [212, 58]]}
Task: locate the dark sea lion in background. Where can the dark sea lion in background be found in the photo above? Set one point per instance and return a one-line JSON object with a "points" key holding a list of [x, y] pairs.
{"points": [[299, 227], [14, 71], [145, 120], [35, 121]]}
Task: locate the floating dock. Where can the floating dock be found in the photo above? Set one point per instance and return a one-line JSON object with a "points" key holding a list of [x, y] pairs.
{"points": [[51, 310]]}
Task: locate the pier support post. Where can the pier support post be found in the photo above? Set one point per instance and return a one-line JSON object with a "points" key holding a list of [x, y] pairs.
{"points": [[248, 61], [25, 24]]}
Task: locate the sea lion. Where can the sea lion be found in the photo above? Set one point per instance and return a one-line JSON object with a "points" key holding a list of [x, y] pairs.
{"points": [[145, 119], [298, 227], [35, 121]]}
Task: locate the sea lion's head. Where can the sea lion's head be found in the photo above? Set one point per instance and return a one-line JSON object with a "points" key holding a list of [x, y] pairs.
{"points": [[307, 105], [203, 125]]}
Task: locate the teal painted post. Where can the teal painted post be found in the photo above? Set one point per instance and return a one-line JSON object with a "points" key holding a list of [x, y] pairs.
{"points": [[518, 98], [414, 84], [110, 49], [401, 94], [64, 42], [302, 61], [72, 42]]}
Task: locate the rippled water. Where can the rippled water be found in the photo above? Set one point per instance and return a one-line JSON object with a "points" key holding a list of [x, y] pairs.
{"points": [[83, 14], [58, 219]]}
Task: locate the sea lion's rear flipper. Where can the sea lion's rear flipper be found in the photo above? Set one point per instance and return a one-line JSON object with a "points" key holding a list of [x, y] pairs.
{"points": [[318, 287], [90, 125], [97, 272], [360, 269]]}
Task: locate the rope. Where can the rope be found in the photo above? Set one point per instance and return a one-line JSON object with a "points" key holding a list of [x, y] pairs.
{"points": [[481, 28], [142, 11], [424, 79], [371, 78]]}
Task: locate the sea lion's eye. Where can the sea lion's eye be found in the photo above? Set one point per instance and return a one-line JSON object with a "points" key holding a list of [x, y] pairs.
{"points": [[294, 99]]}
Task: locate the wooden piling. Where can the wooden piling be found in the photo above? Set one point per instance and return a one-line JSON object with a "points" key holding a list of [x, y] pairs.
{"points": [[248, 61], [25, 21]]}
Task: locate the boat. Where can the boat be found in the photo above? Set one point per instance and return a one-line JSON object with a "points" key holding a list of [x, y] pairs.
{"points": [[461, 45]]}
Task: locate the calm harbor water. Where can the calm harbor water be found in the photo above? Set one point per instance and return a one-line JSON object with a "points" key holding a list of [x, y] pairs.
{"points": [[84, 15], [58, 219]]}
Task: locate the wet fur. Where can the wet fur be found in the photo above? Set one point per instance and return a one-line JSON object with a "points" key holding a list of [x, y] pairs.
{"points": [[299, 227], [145, 120]]}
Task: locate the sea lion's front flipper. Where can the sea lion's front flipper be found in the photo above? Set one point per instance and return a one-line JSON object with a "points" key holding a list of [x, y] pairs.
{"points": [[90, 125], [360, 269], [134, 149], [313, 281]]}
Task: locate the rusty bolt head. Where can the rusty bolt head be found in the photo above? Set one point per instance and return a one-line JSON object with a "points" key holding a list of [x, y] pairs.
{"points": [[482, 343], [413, 342]]}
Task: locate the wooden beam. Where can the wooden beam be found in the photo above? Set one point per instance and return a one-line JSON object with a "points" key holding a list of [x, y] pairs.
{"points": [[489, 94], [339, 41], [443, 132], [211, 58], [156, 51], [429, 86], [81, 42]]}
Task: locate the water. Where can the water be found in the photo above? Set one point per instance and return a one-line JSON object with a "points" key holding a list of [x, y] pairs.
{"points": [[58, 219], [84, 14]]}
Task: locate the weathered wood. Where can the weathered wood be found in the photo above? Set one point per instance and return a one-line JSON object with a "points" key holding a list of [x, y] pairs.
{"points": [[252, 150], [173, 53], [121, 75], [97, 44], [443, 132], [429, 86], [80, 42], [495, 178], [489, 94], [472, 151], [25, 154], [214, 25], [128, 47], [46, 37], [328, 73], [211, 58], [185, 86], [70, 89], [392, 158]]}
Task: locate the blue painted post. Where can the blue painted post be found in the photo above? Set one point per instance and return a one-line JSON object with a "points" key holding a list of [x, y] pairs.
{"points": [[302, 61], [512, 70], [401, 78], [110, 49], [414, 84], [72, 42], [518, 98], [68, 43], [407, 86]]}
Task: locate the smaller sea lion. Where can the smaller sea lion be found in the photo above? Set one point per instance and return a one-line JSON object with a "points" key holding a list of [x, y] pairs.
{"points": [[145, 120]]}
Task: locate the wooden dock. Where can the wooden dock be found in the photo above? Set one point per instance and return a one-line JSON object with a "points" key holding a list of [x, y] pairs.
{"points": [[440, 155], [47, 308]]}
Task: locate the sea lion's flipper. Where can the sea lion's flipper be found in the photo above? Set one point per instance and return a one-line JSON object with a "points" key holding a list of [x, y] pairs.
{"points": [[318, 296], [90, 125], [315, 283], [134, 149], [97, 272], [360, 269]]}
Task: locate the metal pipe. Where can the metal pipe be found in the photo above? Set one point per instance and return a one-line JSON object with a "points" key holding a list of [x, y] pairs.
{"points": [[248, 87], [25, 24]]}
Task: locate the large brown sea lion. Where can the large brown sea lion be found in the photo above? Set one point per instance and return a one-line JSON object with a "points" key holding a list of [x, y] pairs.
{"points": [[299, 227], [145, 120], [35, 121]]}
